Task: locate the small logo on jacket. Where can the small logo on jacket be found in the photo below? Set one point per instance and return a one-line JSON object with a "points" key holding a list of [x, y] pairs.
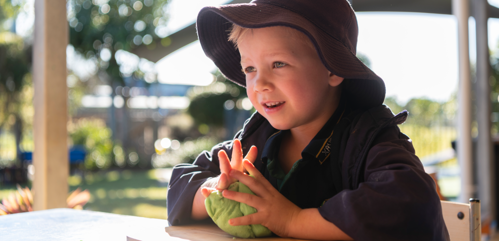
{"points": [[326, 150]]}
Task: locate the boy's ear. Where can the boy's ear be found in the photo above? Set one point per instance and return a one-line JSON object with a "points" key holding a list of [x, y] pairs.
{"points": [[335, 80]]}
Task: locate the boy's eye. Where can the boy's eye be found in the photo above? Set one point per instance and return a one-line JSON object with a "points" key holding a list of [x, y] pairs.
{"points": [[279, 64], [249, 70]]}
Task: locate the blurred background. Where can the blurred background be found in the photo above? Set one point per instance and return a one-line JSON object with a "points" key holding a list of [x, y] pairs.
{"points": [[143, 97]]}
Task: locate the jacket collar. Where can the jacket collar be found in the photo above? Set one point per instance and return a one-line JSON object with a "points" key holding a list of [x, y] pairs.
{"points": [[319, 147]]}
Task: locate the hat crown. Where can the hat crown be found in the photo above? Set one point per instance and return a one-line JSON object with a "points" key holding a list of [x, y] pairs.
{"points": [[334, 17]]}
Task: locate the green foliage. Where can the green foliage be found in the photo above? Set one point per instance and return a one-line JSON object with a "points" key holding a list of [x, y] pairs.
{"points": [[364, 59], [92, 21], [429, 140], [430, 125], [423, 111], [393, 104], [75, 94], [14, 62], [7, 11], [208, 108], [96, 138], [15, 95], [207, 103], [14, 66], [187, 152], [119, 155], [426, 112], [113, 25]]}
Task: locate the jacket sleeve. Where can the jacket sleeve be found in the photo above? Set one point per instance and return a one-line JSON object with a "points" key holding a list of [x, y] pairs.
{"points": [[187, 178], [396, 201]]}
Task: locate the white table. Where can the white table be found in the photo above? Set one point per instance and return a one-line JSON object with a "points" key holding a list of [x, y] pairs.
{"points": [[76, 225], [69, 224]]}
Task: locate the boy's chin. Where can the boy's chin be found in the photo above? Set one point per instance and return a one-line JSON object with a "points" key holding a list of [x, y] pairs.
{"points": [[279, 125]]}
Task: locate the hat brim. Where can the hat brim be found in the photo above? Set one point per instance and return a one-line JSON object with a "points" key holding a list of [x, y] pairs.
{"points": [[361, 84]]}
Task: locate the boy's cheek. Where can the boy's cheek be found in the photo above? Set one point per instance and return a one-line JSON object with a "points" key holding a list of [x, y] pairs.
{"points": [[253, 99]]}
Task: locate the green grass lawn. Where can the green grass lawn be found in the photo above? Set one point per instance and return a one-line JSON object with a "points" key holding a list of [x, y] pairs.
{"points": [[138, 193]]}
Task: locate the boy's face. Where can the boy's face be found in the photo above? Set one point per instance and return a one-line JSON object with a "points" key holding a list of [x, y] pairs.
{"points": [[285, 79]]}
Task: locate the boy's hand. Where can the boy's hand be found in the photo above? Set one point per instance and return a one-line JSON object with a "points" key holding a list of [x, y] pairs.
{"points": [[226, 165], [275, 211], [222, 181]]}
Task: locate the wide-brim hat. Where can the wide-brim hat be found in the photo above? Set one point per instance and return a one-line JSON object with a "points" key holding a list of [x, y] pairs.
{"points": [[331, 26]]}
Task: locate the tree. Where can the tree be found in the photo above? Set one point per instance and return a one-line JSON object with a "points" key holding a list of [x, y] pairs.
{"points": [[209, 105], [99, 29], [208, 108], [391, 102], [7, 12], [15, 64], [424, 111]]}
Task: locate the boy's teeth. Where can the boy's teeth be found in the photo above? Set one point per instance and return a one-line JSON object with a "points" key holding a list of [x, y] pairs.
{"points": [[273, 104]]}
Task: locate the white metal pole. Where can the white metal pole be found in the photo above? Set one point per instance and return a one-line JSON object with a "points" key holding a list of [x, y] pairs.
{"points": [[484, 153], [460, 9]]}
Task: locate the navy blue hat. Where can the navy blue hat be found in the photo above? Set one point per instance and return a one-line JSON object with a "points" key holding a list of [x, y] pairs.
{"points": [[331, 26]]}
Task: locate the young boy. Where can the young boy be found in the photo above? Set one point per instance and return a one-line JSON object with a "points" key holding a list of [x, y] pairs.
{"points": [[328, 159]]}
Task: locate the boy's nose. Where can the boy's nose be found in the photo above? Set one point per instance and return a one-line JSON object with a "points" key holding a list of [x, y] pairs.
{"points": [[262, 83]]}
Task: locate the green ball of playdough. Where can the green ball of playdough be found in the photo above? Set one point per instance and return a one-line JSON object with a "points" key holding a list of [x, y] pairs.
{"points": [[221, 209]]}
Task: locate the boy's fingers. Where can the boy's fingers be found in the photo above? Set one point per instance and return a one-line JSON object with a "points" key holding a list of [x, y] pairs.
{"points": [[258, 186], [237, 156], [250, 156], [252, 170], [206, 191], [264, 183], [224, 162], [248, 199], [246, 220], [252, 153], [223, 182]]}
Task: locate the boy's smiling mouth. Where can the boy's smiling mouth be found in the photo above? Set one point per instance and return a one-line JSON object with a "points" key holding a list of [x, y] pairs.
{"points": [[273, 104]]}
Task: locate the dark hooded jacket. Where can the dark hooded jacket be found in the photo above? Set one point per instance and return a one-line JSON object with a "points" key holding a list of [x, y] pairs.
{"points": [[377, 187]]}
